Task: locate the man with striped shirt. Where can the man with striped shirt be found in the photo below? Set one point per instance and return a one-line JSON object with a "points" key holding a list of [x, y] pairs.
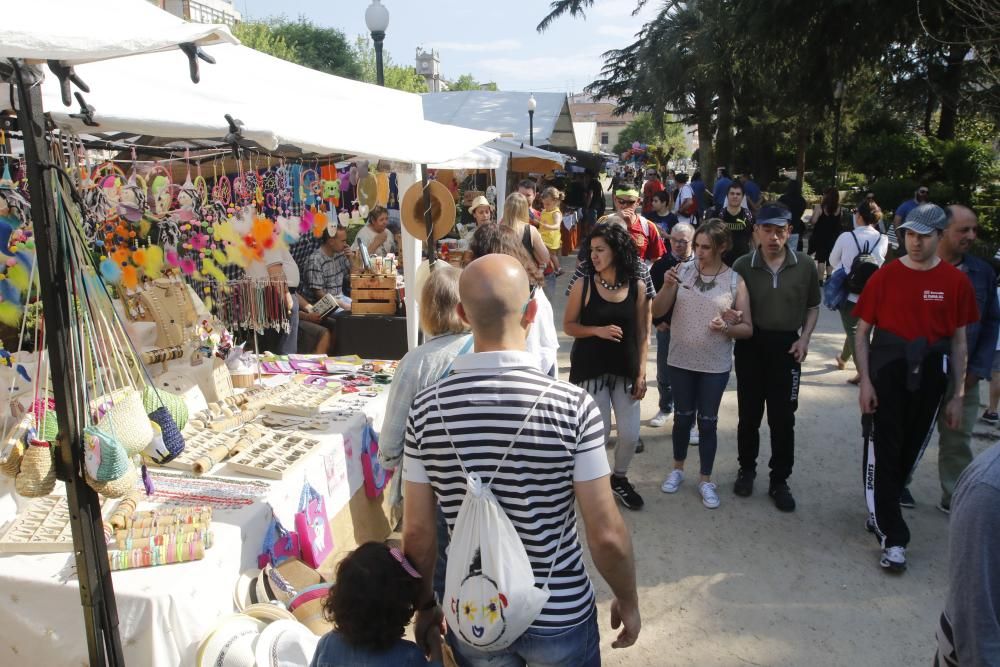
{"points": [[557, 462]]}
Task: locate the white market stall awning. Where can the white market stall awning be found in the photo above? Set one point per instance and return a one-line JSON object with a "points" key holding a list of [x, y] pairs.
{"points": [[279, 103], [78, 31], [492, 154]]}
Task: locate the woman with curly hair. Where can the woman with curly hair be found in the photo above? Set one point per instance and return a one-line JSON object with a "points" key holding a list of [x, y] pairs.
{"points": [[607, 313], [370, 605]]}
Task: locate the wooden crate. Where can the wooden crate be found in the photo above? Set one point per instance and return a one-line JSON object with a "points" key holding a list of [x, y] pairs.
{"points": [[373, 294]]}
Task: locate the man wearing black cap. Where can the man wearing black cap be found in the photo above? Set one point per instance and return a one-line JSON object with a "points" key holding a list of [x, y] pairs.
{"points": [[919, 306], [784, 298]]}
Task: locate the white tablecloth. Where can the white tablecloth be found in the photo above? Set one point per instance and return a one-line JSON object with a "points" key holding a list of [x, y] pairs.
{"points": [[164, 612]]}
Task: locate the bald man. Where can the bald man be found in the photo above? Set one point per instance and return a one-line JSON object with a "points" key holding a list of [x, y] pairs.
{"points": [[556, 462], [955, 444]]}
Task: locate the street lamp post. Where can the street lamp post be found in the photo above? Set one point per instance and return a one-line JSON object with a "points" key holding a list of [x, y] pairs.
{"points": [[377, 20], [532, 104], [838, 96]]}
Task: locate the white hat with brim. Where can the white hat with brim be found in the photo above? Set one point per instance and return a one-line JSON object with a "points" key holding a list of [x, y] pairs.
{"points": [[247, 581], [285, 644], [269, 612], [231, 643], [479, 201]]}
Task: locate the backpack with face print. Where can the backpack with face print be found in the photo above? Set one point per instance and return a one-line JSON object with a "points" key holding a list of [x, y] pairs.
{"points": [[490, 596]]}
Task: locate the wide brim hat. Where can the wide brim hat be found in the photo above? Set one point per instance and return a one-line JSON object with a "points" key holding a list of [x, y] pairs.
{"points": [[479, 201], [285, 644], [269, 612], [231, 643], [411, 210]]}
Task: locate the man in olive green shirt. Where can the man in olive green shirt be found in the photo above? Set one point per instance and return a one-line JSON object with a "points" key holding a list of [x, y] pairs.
{"points": [[784, 299]]}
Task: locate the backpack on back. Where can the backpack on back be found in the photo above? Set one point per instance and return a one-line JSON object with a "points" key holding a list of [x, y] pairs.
{"points": [[490, 597], [864, 265]]}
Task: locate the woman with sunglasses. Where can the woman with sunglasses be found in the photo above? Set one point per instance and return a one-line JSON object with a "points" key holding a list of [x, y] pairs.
{"points": [[607, 314], [710, 308]]}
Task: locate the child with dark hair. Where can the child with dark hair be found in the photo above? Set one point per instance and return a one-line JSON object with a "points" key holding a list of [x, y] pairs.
{"points": [[370, 604]]}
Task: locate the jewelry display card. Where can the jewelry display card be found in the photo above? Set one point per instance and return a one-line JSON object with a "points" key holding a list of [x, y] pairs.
{"points": [[274, 455], [43, 527]]}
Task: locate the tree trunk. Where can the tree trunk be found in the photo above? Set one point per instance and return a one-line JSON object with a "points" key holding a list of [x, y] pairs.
{"points": [[724, 135], [703, 114], [951, 85], [803, 143]]}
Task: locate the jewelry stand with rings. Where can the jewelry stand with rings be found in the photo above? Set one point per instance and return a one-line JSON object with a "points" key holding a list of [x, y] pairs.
{"points": [[274, 455], [304, 400], [42, 528]]}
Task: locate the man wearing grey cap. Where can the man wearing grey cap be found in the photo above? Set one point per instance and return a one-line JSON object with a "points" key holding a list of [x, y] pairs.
{"points": [[784, 298], [919, 307]]}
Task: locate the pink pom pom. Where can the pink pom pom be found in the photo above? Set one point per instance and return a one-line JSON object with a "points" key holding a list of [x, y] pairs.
{"points": [[188, 266], [12, 261], [172, 258]]}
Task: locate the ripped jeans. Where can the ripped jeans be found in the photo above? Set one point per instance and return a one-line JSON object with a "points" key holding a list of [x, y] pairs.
{"points": [[701, 394]]}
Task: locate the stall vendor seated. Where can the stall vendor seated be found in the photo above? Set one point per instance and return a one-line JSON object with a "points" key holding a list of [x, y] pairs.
{"points": [[375, 235], [326, 271]]}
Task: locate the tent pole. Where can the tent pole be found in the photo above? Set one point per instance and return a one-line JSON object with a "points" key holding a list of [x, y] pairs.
{"points": [[89, 549], [428, 217]]}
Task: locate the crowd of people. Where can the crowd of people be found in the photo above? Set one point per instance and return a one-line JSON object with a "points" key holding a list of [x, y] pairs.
{"points": [[478, 414]]}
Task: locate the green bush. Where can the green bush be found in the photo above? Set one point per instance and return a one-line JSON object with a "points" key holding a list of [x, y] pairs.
{"points": [[891, 155], [965, 165], [890, 193]]}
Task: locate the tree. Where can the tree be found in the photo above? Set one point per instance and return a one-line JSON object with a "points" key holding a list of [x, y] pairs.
{"points": [[259, 36], [323, 49], [396, 76], [468, 82], [666, 135]]}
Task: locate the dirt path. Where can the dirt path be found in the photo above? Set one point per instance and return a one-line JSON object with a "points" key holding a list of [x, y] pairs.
{"points": [[747, 585]]}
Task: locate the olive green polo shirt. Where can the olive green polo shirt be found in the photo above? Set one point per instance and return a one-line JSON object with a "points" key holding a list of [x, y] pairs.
{"points": [[779, 300]]}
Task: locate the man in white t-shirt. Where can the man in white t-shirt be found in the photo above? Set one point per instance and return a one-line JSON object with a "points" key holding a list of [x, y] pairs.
{"points": [[557, 464], [684, 200], [866, 238]]}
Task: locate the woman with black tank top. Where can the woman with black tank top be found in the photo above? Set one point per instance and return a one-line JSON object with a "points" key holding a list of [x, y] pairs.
{"points": [[607, 313], [827, 221]]}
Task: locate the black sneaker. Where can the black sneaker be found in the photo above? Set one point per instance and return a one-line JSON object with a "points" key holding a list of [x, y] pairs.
{"points": [[782, 497], [640, 446], [626, 493], [744, 482], [906, 499]]}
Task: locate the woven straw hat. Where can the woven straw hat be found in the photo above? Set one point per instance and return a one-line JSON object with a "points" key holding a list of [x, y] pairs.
{"points": [[269, 612], [231, 643], [411, 210], [307, 607], [37, 477], [285, 644]]}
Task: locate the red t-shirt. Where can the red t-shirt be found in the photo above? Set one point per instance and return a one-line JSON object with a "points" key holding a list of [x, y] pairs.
{"points": [[913, 304], [650, 189], [647, 240]]}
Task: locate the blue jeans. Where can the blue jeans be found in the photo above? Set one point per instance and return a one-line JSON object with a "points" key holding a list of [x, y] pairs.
{"points": [[578, 646], [700, 393], [663, 371]]}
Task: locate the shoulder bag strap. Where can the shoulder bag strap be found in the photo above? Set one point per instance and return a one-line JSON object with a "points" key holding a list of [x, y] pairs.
{"points": [[464, 350], [513, 441], [855, 237]]}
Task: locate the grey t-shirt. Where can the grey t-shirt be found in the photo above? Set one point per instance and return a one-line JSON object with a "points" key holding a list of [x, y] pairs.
{"points": [[969, 633]]}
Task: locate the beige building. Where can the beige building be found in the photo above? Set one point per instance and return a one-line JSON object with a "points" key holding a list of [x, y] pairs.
{"points": [[585, 109]]}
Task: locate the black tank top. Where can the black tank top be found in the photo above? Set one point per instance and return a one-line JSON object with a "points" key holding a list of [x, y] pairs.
{"points": [[595, 357]]}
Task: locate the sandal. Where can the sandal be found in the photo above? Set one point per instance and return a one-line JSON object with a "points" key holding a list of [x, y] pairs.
{"points": [[841, 364]]}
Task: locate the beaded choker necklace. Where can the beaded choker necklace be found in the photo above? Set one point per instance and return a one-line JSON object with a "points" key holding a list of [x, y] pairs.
{"points": [[611, 288]]}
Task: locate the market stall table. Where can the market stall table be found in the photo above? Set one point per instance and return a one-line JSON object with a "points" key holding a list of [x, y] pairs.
{"points": [[164, 612]]}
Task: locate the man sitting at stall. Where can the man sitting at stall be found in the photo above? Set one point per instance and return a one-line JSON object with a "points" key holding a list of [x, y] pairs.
{"points": [[326, 271], [375, 236]]}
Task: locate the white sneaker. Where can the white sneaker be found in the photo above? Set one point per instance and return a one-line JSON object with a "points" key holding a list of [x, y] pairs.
{"points": [[673, 481], [894, 559], [660, 419], [695, 438], [709, 498]]}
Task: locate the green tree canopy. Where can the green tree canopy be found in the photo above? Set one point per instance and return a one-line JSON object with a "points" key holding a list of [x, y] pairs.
{"points": [[468, 82], [323, 49], [399, 77], [667, 136], [259, 36]]}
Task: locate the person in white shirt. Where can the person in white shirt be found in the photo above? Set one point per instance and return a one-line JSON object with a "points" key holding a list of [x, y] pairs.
{"points": [[684, 193], [864, 236], [375, 236]]}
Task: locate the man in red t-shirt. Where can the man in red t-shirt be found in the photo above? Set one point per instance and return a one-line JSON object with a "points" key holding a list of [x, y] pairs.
{"points": [[647, 239], [650, 188], [919, 307]]}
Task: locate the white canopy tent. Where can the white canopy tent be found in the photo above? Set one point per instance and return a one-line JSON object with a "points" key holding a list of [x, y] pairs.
{"points": [[77, 32], [502, 155]]}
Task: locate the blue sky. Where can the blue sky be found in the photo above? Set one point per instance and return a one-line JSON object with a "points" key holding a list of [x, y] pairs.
{"points": [[494, 41]]}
